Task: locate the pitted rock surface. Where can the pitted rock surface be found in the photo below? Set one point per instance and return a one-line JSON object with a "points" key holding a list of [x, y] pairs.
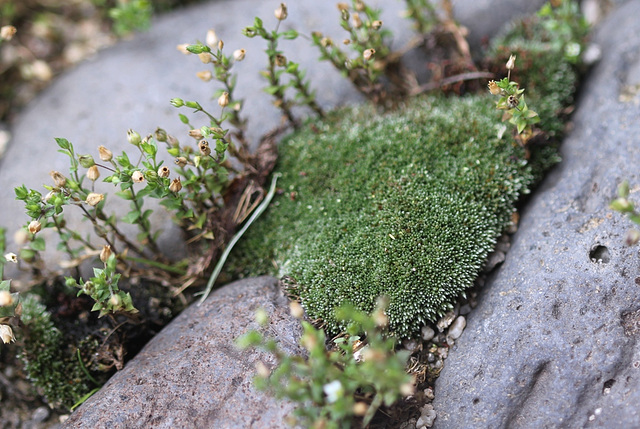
{"points": [[554, 341], [191, 375]]}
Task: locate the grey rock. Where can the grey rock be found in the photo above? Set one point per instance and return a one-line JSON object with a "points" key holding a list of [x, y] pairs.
{"points": [[41, 414], [130, 85], [554, 339], [191, 375]]}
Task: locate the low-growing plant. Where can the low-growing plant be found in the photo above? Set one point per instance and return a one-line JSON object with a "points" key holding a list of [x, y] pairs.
{"points": [[360, 373], [628, 208]]}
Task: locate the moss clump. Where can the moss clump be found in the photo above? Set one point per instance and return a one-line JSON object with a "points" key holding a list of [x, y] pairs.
{"points": [[406, 204], [49, 365]]}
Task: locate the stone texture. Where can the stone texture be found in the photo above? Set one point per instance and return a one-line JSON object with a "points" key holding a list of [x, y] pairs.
{"points": [[191, 375], [554, 339], [130, 85]]}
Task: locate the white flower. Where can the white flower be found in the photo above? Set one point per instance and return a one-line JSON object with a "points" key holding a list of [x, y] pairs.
{"points": [[6, 334], [11, 257], [333, 390]]}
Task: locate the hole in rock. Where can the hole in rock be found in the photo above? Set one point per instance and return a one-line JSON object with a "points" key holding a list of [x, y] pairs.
{"points": [[606, 389], [475, 401], [600, 255]]}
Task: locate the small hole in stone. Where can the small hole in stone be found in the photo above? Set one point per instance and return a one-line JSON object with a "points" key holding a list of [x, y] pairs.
{"points": [[476, 400], [600, 255], [606, 389]]}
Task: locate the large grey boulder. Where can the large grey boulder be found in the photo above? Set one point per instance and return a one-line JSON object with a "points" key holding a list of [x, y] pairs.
{"points": [[553, 342], [191, 375], [130, 85]]}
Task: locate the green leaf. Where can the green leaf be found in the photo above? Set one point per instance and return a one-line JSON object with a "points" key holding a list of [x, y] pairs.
{"points": [[37, 244], [63, 143], [131, 217], [290, 35]]}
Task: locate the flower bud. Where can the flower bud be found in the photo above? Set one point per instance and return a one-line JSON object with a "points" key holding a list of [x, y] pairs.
{"points": [[494, 88], [205, 57], [346, 42], [93, 173], [181, 161], [133, 137], [177, 102], [183, 48], [105, 154], [58, 179], [326, 42], [212, 38], [7, 32], [511, 63], [164, 171], [205, 75], [223, 100], [5, 298], [220, 45], [204, 148], [93, 199], [238, 54], [105, 253], [357, 22], [175, 185], [137, 176], [86, 161], [368, 54], [6, 334], [115, 301], [161, 135], [281, 60], [376, 25], [196, 134], [281, 12], [34, 227]]}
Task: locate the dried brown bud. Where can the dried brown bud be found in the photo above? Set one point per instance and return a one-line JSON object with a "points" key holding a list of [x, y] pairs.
{"points": [[93, 173], [360, 6], [137, 176], [220, 45], [196, 134], [93, 199], [181, 161], [281, 60], [105, 253], [326, 42], [175, 185], [238, 54], [511, 63], [223, 100], [205, 57], [357, 22], [105, 154], [346, 42], [5, 298], [512, 101], [34, 227], [281, 12], [376, 25], [7, 32], [204, 148], [494, 88], [164, 171], [368, 54], [6, 334], [58, 179], [205, 75], [342, 7]]}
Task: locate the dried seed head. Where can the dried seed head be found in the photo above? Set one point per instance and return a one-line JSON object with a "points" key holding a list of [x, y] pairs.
{"points": [[205, 57], [220, 45], [105, 253], [368, 54], [357, 22], [137, 176], [346, 42], [164, 171], [512, 101], [34, 227], [511, 63], [223, 100], [58, 179], [326, 42], [6, 334], [281, 12], [281, 60], [161, 135], [494, 88], [343, 7], [175, 185], [133, 137], [204, 147], [238, 54], [181, 161], [5, 298], [105, 154], [93, 199], [212, 38], [93, 173], [360, 6], [376, 25], [205, 75], [196, 134], [296, 309], [7, 32]]}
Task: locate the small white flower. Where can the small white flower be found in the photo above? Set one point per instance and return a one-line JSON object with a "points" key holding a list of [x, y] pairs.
{"points": [[6, 334], [333, 390], [11, 257]]}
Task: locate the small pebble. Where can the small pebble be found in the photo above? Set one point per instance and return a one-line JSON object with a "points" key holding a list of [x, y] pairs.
{"points": [[427, 417], [457, 327], [465, 309], [428, 393], [446, 320], [41, 414], [410, 345], [428, 333]]}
